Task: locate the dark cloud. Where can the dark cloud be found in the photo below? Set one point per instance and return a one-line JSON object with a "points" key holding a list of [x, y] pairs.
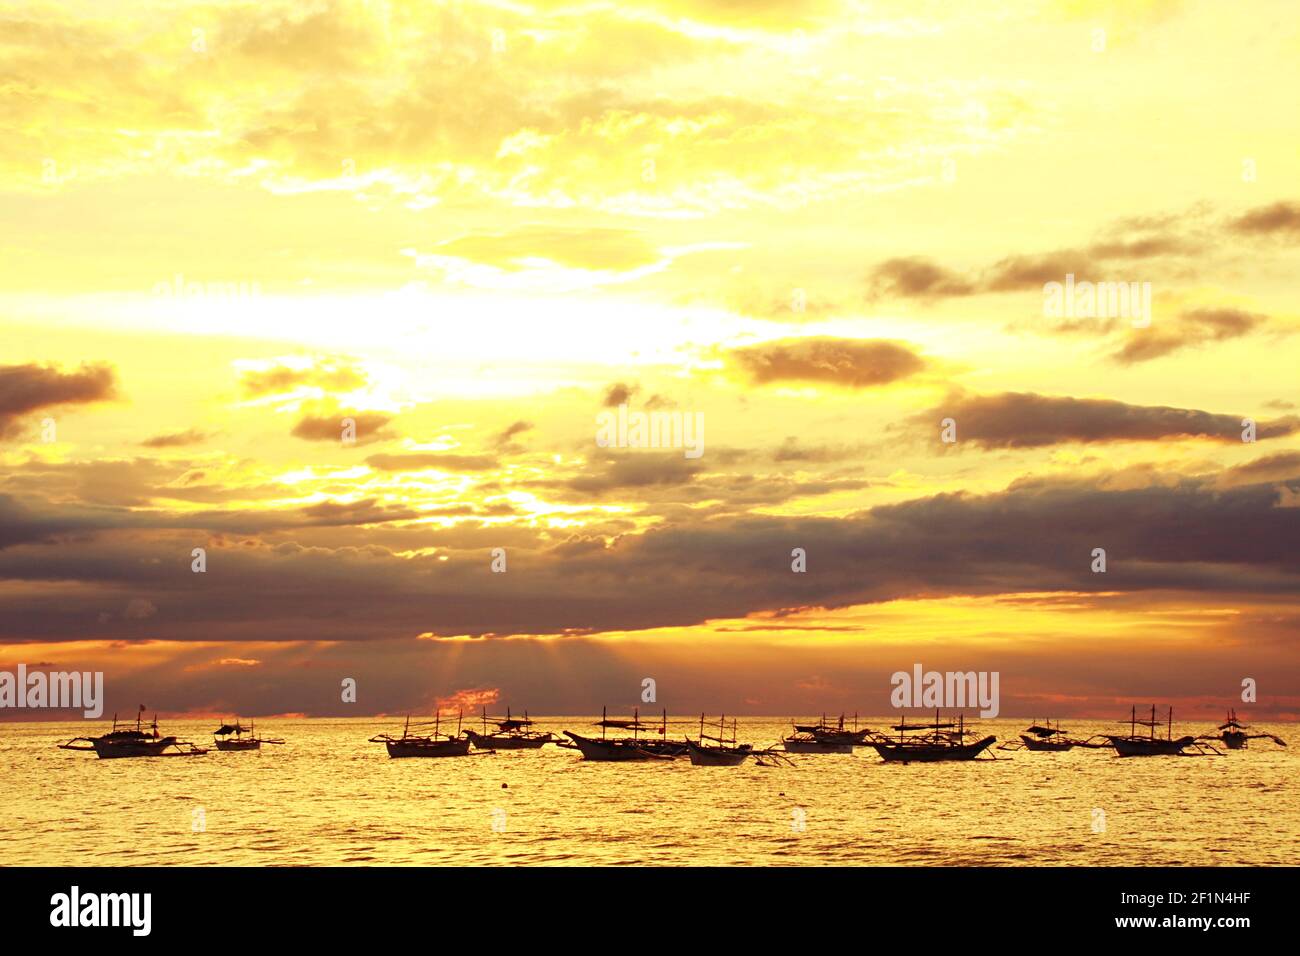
{"points": [[28, 388], [1188, 535], [635, 470], [504, 440], [791, 450], [851, 363], [1192, 328], [1280, 217], [443, 461], [369, 427], [916, 277], [1029, 420], [1276, 467], [618, 394], [327, 376], [191, 436]]}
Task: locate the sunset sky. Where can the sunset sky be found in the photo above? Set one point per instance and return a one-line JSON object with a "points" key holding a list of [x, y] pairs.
{"points": [[471, 227]]}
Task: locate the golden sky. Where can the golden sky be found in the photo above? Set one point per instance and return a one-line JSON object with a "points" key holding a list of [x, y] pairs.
{"points": [[822, 227]]}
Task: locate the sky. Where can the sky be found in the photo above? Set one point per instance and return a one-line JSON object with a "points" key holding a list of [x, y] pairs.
{"points": [[853, 241]]}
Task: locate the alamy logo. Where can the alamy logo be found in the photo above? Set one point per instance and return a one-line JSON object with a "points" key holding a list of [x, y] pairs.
{"points": [[103, 909], [1098, 300], [651, 430], [56, 690], [953, 690]]}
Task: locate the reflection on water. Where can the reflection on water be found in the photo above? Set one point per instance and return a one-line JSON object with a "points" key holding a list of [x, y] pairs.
{"points": [[329, 797]]}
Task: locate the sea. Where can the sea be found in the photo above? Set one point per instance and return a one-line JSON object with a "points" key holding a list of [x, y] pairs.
{"points": [[329, 797]]}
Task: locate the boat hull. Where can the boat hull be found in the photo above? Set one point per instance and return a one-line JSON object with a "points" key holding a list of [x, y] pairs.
{"points": [[716, 756], [929, 753], [614, 750], [455, 747], [106, 750], [816, 746], [1036, 743], [1234, 741], [239, 745], [508, 741], [1146, 747]]}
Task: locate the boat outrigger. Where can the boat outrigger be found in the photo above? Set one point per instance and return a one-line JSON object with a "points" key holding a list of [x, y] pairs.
{"points": [[432, 744], [236, 737], [512, 733], [941, 740], [635, 747], [1134, 744], [134, 743], [724, 752], [1234, 736]]}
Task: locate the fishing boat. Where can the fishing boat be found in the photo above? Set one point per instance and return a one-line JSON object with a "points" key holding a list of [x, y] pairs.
{"points": [[1134, 744], [1234, 736], [941, 740], [835, 733], [137, 742], [805, 742], [721, 751], [235, 737], [512, 733], [635, 747], [1045, 737], [825, 737], [431, 744]]}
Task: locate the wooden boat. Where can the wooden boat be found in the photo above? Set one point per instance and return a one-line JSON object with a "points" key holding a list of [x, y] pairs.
{"points": [[612, 750], [721, 751], [941, 740], [635, 747], [1134, 744], [134, 743], [717, 755], [1234, 736], [807, 743], [1039, 737], [235, 737], [835, 733], [512, 733], [433, 744]]}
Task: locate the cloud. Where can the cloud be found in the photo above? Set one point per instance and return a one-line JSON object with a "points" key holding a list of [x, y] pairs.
{"points": [[850, 363], [441, 461], [1149, 238], [1190, 535], [279, 379], [191, 436], [919, 278], [1279, 217], [533, 106], [1194, 327], [1280, 466], [618, 394], [1029, 420], [504, 440], [369, 427], [25, 389]]}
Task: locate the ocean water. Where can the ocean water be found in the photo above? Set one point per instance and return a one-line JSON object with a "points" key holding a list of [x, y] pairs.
{"points": [[329, 797]]}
